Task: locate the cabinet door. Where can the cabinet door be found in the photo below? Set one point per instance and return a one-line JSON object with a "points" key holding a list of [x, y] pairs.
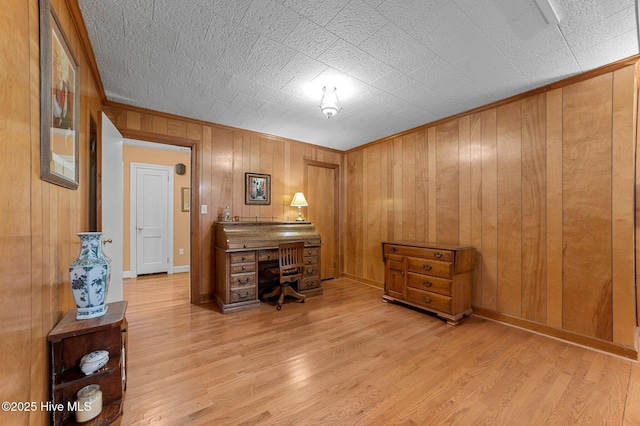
{"points": [[395, 278]]}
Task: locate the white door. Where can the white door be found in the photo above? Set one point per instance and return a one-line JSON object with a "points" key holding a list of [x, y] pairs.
{"points": [[152, 214], [112, 191]]}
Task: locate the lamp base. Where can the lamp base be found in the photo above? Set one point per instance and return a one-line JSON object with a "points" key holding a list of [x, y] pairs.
{"points": [[300, 218]]}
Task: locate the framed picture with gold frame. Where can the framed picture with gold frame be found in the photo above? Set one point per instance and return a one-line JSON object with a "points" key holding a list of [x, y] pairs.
{"points": [[257, 188], [59, 103], [184, 192]]}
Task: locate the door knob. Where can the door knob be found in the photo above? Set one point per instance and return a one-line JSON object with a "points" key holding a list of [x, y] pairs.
{"points": [[107, 240], [140, 228]]}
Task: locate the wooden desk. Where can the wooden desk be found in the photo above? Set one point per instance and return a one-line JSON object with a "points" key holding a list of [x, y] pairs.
{"points": [[243, 250]]}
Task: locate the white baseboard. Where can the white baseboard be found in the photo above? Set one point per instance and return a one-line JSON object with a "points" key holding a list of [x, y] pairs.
{"points": [[176, 270]]}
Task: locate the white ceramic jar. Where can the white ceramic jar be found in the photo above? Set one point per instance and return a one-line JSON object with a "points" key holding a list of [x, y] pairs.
{"points": [[89, 403], [93, 361]]}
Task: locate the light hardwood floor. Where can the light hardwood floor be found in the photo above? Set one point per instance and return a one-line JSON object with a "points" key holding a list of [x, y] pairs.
{"points": [[348, 358]]}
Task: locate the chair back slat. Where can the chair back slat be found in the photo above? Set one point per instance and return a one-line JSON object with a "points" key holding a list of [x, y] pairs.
{"points": [[291, 256]]}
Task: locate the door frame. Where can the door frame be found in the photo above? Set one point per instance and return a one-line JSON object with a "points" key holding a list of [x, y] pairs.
{"points": [[337, 203], [133, 201], [194, 216]]}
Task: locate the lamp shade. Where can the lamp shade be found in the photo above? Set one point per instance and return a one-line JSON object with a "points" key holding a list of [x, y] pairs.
{"points": [[299, 200]]}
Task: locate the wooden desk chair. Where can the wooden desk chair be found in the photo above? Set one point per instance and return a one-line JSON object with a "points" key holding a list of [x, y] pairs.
{"points": [[291, 261]]}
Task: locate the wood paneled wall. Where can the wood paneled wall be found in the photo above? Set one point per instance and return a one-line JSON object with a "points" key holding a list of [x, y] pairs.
{"points": [[543, 187], [38, 220], [224, 155]]}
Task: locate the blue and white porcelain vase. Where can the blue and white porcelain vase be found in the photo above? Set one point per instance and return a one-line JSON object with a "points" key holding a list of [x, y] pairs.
{"points": [[89, 275]]}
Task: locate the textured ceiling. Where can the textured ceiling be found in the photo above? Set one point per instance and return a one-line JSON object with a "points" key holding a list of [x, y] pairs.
{"points": [[397, 64]]}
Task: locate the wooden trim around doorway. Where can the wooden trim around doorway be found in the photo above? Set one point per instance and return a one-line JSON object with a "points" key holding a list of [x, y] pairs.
{"points": [[194, 260], [338, 206]]}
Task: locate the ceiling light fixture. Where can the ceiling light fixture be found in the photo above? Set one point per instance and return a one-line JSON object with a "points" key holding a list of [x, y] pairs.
{"points": [[329, 105]]}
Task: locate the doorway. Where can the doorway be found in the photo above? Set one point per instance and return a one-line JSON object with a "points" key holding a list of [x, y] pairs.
{"points": [[323, 197]]}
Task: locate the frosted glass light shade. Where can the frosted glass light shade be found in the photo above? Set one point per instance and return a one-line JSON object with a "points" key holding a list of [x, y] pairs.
{"points": [[329, 105]]}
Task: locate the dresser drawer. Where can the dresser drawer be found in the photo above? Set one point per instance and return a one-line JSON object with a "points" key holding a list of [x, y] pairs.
{"points": [[429, 300], [436, 254], [242, 293], [247, 256], [430, 267], [241, 280], [237, 268], [429, 283]]}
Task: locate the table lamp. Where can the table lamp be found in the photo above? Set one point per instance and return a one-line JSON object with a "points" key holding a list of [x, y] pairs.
{"points": [[299, 201]]}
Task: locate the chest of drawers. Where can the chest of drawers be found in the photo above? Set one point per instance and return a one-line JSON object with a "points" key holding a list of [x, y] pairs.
{"points": [[430, 276]]}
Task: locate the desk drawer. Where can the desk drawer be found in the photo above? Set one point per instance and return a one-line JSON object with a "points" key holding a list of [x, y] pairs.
{"points": [[429, 300], [312, 251], [309, 283], [242, 257], [238, 268], [430, 267], [266, 255], [311, 271], [242, 293], [242, 280], [311, 260]]}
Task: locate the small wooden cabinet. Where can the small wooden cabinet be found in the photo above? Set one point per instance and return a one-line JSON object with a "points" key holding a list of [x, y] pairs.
{"points": [[69, 341], [429, 276]]}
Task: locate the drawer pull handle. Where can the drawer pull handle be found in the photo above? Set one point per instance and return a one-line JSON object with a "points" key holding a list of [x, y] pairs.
{"points": [[246, 280], [244, 268], [244, 246], [268, 256], [426, 267], [309, 252], [437, 255], [243, 258], [427, 299], [427, 283], [243, 295], [393, 249]]}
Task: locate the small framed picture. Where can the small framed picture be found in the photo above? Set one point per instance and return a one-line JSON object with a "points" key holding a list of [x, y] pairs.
{"points": [[185, 199], [257, 188]]}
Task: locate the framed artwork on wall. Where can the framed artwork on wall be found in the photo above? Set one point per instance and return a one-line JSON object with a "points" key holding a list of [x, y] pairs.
{"points": [[59, 103], [257, 188], [185, 199]]}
